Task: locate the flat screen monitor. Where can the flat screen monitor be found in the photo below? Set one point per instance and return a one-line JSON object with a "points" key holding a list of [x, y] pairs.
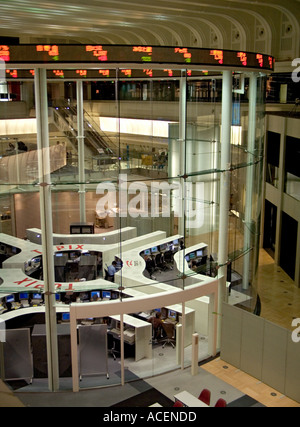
{"points": [[95, 294], [154, 249], [192, 255], [158, 310], [163, 247], [57, 297], [200, 253], [23, 295], [147, 252], [106, 294], [14, 250], [187, 258], [76, 230], [172, 314], [176, 242], [37, 296], [59, 255], [65, 317], [10, 298], [86, 230], [114, 295]]}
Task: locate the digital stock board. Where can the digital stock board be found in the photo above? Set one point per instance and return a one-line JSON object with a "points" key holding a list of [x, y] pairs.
{"points": [[102, 60]]}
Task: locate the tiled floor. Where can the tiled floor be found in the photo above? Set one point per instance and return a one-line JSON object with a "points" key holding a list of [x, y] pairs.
{"points": [[280, 304]]}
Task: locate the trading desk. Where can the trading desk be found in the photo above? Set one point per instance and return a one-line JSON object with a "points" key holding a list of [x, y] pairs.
{"points": [[142, 335], [34, 235], [134, 264]]}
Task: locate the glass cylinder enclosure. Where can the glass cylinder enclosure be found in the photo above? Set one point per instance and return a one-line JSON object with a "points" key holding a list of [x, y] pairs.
{"points": [[130, 207]]}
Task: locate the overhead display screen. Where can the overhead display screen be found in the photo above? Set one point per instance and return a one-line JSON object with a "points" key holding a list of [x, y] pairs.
{"points": [[101, 54]]}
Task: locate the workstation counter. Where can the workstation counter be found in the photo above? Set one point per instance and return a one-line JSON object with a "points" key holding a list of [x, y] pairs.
{"points": [[34, 235], [134, 264]]}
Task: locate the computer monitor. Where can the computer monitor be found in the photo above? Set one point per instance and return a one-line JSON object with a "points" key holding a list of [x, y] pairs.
{"points": [[187, 258], [59, 255], [158, 310], [106, 294], [176, 242], [95, 294], [23, 295], [10, 298], [86, 230], [192, 255], [37, 296], [163, 247], [114, 295], [147, 252], [154, 249], [65, 317], [76, 230], [57, 297], [199, 253], [73, 255], [172, 314]]}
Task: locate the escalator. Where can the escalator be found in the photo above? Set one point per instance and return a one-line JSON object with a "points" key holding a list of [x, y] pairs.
{"points": [[96, 141]]}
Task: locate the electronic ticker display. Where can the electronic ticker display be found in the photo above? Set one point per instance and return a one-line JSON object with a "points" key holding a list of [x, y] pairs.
{"points": [[129, 54]]}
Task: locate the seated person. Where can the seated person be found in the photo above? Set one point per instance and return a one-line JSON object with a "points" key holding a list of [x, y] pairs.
{"points": [[194, 266], [156, 324]]}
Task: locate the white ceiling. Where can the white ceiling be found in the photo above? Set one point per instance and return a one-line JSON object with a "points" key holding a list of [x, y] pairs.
{"points": [[267, 26]]}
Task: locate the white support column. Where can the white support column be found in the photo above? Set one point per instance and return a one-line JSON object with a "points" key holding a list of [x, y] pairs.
{"points": [[182, 150], [41, 104], [224, 187], [249, 179], [81, 159]]}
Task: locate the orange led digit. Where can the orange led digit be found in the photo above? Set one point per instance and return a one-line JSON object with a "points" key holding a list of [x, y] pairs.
{"points": [[243, 57], [127, 73], [97, 51], [104, 73], [4, 53], [148, 72], [186, 54], [218, 55]]}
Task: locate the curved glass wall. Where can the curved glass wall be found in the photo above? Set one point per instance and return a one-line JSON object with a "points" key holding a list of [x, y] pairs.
{"points": [[132, 188]]}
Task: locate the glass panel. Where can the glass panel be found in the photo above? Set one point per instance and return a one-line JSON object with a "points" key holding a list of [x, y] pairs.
{"points": [[148, 187]]}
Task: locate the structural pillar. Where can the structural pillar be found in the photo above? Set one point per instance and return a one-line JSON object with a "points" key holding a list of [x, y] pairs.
{"points": [[224, 188], [41, 104], [182, 151], [249, 180], [81, 159]]}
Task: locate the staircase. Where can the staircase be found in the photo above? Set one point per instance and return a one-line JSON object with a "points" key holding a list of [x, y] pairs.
{"points": [[65, 118]]}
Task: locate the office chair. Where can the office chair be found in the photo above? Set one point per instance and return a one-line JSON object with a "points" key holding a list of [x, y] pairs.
{"points": [[160, 262], [178, 404], [204, 396], [113, 351], [221, 403], [169, 329], [169, 259]]}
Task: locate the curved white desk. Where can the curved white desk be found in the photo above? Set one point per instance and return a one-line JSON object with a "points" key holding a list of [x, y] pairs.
{"points": [[60, 308], [34, 235]]}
